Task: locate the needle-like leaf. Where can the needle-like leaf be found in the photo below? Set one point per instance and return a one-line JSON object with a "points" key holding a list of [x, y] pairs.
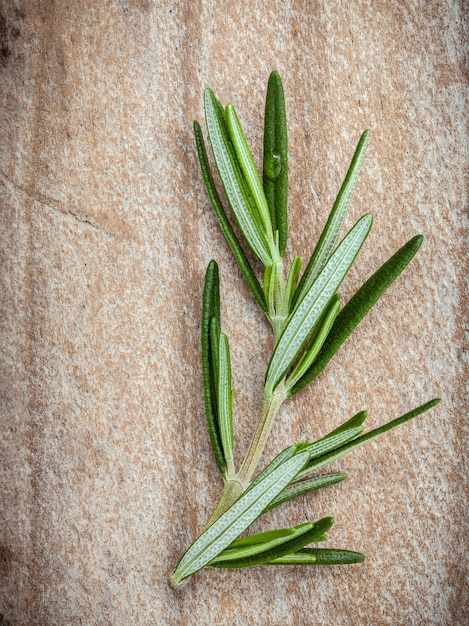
{"points": [[314, 302], [359, 305], [305, 486], [255, 544], [233, 182], [211, 311], [225, 401], [292, 281], [275, 168], [283, 456], [320, 556], [261, 538], [270, 284], [330, 442], [328, 458], [246, 163], [237, 518], [311, 352], [219, 211], [332, 229], [353, 422], [314, 534], [215, 331]]}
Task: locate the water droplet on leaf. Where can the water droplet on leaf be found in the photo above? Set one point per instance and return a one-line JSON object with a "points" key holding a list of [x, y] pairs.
{"points": [[273, 165]]}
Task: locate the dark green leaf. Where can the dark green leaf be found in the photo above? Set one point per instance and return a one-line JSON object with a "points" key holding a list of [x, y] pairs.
{"points": [[356, 309], [318, 529], [331, 232], [320, 556], [211, 311], [275, 177], [326, 459]]}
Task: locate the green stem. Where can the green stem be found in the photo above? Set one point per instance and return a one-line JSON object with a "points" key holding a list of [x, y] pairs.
{"points": [[233, 489], [235, 486], [269, 411], [280, 315]]}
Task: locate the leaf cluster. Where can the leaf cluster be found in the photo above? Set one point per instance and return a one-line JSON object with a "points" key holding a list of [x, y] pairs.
{"points": [[309, 327]]}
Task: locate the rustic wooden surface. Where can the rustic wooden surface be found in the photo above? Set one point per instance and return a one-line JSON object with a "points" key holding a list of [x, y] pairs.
{"points": [[106, 469]]}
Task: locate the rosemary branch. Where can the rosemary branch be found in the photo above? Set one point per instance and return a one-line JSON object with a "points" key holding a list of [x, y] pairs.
{"points": [[308, 327]]}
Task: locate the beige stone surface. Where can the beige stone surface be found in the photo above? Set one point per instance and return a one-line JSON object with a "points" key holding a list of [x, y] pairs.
{"points": [[106, 469]]}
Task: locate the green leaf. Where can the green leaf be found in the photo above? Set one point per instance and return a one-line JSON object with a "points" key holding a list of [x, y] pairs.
{"points": [[331, 231], [314, 302], [237, 518], [353, 422], [225, 397], [317, 531], [292, 281], [215, 332], [283, 456], [211, 311], [328, 458], [305, 486], [275, 169], [233, 182], [359, 305], [256, 544], [320, 556], [270, 284], [331, 441], [217, 206], [246, 163], [262, 538], [312, 350]]}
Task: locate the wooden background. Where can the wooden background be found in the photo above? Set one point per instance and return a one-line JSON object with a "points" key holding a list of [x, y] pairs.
{"points": [[106, 468]]}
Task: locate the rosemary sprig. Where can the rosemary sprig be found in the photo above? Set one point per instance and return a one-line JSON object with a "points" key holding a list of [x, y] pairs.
{"points": [[308, 328]]}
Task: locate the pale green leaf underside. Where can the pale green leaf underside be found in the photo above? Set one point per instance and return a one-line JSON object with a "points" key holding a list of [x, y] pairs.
{"points": [[315, 300], [305, 486], [311, 352], [225, 398], [232, 181], [237, 518], [248, 168], [332, 441], [261, 543], [334, 224]]}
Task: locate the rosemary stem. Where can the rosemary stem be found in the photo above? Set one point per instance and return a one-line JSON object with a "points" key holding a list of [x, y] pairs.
{"points": [[235, 486], [233, 489], [280, 316], [270, 408]]}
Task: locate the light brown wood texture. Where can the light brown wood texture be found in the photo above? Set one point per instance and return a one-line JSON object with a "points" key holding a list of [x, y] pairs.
{"points": [[106, 469]]}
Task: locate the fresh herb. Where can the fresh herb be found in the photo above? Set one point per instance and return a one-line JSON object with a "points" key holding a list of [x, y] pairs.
{"points": [[308, 328]]}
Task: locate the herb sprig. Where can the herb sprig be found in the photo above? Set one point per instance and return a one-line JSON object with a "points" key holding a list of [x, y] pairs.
{"points": [[308, 328]]}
